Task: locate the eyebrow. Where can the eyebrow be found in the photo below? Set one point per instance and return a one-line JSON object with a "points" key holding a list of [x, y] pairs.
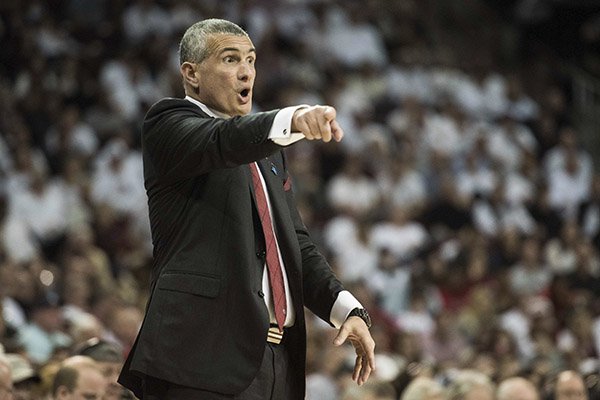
{"points": [[226, 49]]}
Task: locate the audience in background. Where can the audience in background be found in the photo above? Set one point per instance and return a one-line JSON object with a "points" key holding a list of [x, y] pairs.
{"points": [[462, 206]]}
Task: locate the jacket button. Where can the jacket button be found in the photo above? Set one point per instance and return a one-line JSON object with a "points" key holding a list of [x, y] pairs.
{"points": [[261, 254], [261, 294]]}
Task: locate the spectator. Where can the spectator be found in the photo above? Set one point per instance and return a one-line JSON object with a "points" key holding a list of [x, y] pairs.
{"points": [[351, 40], [576, 339], [370, 391], [70, 136], [117, 180], [422, 388], [79, 379], [516, 389], [560, 252], [25, 378], [530, 276], [43, 334], [6, 385], [352, 191], [348, 240], [408, 189], [124, 325], [390, 283], [445, 344], [399, 234], [42, 206], [568, 171], [143, 19], [109, 358], [470, 385], [570, 386]]}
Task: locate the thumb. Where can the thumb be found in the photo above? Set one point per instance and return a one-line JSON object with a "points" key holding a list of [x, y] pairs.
{"points": [[341, 337]]}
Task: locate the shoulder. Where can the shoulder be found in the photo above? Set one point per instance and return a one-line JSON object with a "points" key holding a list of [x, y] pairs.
{"points": [[173, 105]]}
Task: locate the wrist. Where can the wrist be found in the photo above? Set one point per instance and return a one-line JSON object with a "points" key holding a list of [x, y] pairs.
{"points": [[297, 112], [362, 314]]}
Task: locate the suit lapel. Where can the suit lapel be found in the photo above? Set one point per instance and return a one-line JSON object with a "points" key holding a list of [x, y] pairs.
{"points": [[282, 223]]}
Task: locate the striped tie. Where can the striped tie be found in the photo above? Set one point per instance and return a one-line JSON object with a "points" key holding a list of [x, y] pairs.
{"points": [[273, 265]]}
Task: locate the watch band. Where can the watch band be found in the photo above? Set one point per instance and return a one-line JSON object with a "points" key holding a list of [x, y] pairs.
{"points": [[362, 314]]}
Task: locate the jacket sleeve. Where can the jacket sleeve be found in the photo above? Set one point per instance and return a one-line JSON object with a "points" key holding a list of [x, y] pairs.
{"points": [[180, 143]]}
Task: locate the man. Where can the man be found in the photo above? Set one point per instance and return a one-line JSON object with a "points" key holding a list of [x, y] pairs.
{"points": [[79, 378], [373, 390], [43, 336], [517, 388], [6, 386], [109, 358], [233, 263], [25, 379], [470, 385], [423, 388], [570, 386]]}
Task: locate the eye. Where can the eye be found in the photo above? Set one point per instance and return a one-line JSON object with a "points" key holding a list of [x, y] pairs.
{"points": [[251, 60], [229, 59]]}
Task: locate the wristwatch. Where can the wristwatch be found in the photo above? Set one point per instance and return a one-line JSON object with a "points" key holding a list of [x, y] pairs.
{"points": [[363, 314]]}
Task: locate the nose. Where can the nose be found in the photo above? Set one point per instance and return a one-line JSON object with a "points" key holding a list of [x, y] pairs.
{"points": [[246, 72]]}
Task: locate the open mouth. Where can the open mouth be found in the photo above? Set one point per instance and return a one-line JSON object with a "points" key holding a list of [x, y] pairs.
{"points": [[244, 96]]}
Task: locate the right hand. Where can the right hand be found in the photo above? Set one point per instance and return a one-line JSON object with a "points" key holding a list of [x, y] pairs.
{"points": [[317, 123]]}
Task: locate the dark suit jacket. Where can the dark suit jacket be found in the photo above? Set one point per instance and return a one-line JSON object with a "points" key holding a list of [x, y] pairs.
{"points": [[206, 321]]}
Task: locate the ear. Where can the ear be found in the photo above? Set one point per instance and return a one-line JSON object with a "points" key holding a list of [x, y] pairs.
{"points": [[62, 393], [189, 72]]}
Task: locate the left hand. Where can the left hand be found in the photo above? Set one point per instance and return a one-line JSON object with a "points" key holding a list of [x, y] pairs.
{"points": [[355, 330]]}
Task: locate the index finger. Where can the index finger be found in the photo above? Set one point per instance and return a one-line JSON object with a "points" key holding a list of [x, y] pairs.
{"points": [[336, 131]]}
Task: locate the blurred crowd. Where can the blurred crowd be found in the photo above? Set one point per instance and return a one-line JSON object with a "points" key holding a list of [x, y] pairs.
{"points": [[461, 208]]}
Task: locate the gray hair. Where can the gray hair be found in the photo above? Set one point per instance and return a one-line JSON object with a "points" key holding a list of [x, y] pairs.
{"points": [[422, 388], [467, 380], [193, 46]]}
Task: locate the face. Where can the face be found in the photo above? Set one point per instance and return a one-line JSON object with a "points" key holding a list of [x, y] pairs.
{"points": [[571, 388], [111, 371], [6, 386], [224, 80], [91, 385], [480, 393]]}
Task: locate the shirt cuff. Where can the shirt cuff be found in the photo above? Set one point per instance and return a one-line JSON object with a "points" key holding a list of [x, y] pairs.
{"points": [[281, 130], [344, 303]]}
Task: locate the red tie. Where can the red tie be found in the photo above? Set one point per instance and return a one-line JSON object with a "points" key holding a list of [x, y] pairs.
{"points": [[273, 265]]}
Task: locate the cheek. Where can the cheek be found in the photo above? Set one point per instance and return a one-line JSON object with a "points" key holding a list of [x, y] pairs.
{"points": [[221, 85]]}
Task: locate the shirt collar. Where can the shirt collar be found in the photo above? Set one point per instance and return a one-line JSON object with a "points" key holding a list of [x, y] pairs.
{"points": [[203, 107]]}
